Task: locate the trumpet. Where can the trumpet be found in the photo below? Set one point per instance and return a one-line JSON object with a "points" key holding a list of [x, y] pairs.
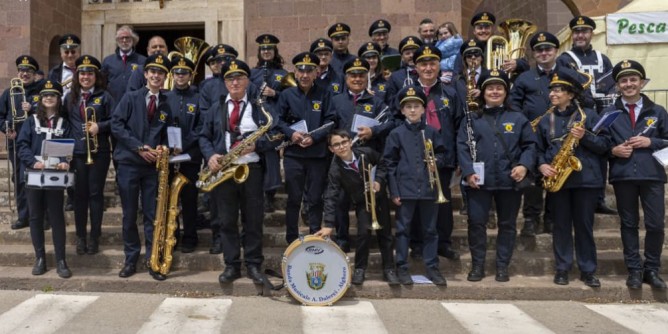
{"points": [[86, 127], [16, 89], [430, 160], [369, 194]]}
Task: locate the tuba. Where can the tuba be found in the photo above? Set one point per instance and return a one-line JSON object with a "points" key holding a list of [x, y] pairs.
{"points": [[209, 179], [499, 49], [430, 160], [188, 47]]}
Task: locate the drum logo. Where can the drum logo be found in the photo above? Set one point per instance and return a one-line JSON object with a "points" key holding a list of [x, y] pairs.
{"points": [[316, 276]]}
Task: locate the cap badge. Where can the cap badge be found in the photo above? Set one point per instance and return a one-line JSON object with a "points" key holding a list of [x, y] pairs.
{"points": [[233, 66], [357, 62], [69, 41], [580, 21], [158, 60], [182, 62], [542, 38], [25, 61], [410, 92], [321, 44], [427, 51], [369, 46], [494, 73], [221, 51], [381, 24], [484, 17], [266, 40], [307, 59], [86, 61], [626, 64], [339, 27], [472, 43], [48, 85]]}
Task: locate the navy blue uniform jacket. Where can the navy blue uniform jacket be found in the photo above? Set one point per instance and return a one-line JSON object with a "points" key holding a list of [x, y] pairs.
{"points": [[118, 74], [367, 105], [103, 103], [183, 104], [29, 142]]}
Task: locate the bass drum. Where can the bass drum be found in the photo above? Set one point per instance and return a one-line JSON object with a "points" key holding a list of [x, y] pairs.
{"points": [[316, 271]]}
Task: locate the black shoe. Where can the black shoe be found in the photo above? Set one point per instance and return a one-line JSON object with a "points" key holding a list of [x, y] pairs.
{"points": [[188, 248], [547, 226], [81, 246], [390, 276], [253, 272], [269, 206], [476, 274], [40, 266], [69, 207], [529, 229], [634, 280], [416, 254], [93, 247], [216, 246], [229, 275], [435, 276], [590, 280], [561, 277], [128, 270], [19, 225], [652, 278], [404, 276], [463, 211], [449, 254], [605, 210], [502, 274], [156, 275], [358, 276], [62, 269], [344, 245]]}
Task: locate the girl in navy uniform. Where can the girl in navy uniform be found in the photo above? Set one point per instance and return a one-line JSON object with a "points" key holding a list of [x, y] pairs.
{"points": [[371, 53], [89, 91], [574, 204], [410, 189], [47, 123], [504, 152]]}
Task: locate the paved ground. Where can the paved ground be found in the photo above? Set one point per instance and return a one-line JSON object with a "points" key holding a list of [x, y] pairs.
{"points": [[40, 312]]}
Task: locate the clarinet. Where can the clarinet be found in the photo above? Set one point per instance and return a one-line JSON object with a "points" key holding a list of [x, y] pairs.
{"points": [[470, 136]]}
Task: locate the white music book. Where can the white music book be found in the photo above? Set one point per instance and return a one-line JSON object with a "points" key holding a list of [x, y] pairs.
{"points": [[57, 148], [661, 156], [360, 121], [179, 158], [174, 137], [300, 126]]}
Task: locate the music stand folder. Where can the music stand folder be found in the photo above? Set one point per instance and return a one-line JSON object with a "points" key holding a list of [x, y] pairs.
{"points": [[57, 148]]}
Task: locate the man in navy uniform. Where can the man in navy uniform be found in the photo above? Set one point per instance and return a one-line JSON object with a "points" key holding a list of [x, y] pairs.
{"points": [[119, 65], [10, 125], [406, 74], [584, 58], [379, 31], [213, 88], [139, 124], [339, 34], [639, 131], [156, 45], [182, 101], [69, 52], [306, 160], [326, 76]]}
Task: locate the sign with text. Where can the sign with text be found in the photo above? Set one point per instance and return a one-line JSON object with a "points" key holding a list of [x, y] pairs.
{"points": [[637, 28]]}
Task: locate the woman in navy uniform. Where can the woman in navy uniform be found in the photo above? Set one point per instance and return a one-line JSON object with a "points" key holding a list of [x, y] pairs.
{"points": [[505, 146], [47, 123], [371, 53], [89, 91], [269, 68], [635, 174], [574, 204]]}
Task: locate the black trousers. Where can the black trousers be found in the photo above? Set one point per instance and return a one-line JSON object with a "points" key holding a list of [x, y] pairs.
{"points": [[247, 197], [89, 181], [445, 220], [41, 202], [188, 197], [405, 217], [573, 210], [20, 194], [383, 236], [533, 202], [341, 217], [651, 197], [507, 207], [304, 176]]}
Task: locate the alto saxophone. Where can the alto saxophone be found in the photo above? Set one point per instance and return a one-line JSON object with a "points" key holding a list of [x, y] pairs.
{"points": [[209, 179], [565, 162], [430, 160], [166, 212]]}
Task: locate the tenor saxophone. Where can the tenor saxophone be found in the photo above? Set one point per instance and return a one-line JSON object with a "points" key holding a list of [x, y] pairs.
{"points": [[565, 162], [209, 179]]}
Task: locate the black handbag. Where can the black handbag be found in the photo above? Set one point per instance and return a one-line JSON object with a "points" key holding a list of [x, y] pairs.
{"points": [[528, 180]]}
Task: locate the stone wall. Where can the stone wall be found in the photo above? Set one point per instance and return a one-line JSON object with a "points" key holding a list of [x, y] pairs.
{"points": [[14, 36]]}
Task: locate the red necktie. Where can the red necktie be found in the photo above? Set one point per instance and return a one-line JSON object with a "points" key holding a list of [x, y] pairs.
{"points": [[51, 123], [355, 98], [432, 117], [632, 114], [151, 108], [354, 166], [234, 116], [125, 59], [82, 106]]}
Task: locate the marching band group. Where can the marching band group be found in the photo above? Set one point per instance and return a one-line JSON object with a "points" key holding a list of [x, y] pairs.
{"points": [[351, 131]]}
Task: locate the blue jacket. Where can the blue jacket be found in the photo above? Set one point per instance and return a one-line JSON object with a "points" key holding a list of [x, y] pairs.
{"points": [[29, 141], [449, 52], [589, 150], [641, 165], [404, 160], [293, 106], [396, 82], [379, 86], [449, 110], [131, 127], [273, 77], [333, 81], [338, 60], [118, 74], [103, 103], [6, 116], [136, 80], [185, 112], [518, 136]]}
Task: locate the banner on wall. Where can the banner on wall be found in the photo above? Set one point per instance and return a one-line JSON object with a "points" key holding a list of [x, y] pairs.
{"points": [[637, 28]]}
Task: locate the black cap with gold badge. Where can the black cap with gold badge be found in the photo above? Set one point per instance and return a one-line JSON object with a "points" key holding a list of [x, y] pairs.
{"points": [[69, 41], [471, 46], [627, 67], [493, 76], [567, 80], [410, 42], [483, 18], [379, 26], [158, 61], [356, 66], [338, 29], [543, 40], [321, 44], [305, 60], [51, 87], [412, 93], [582, 22], [87, 63], [369, 49], [182, 65], [222, 51], [235, 68], [267, 41], [26, 62], [426, 52]]}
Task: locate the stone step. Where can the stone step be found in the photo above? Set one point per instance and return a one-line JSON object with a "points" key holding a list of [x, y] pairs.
{"points": [[610, 262]]}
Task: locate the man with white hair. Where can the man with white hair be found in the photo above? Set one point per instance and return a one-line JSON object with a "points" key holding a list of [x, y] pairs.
{"points": [[119, 65]]}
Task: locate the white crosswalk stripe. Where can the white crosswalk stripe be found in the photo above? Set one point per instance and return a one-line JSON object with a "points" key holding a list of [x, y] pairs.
{"points": [[494, 318], [348, 317], [187, 315], [638, 318], [43, 313]]}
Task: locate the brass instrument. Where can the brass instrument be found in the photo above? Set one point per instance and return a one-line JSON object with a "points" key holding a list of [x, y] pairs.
{"points": [[565, 162], [166, 212], [86, 128], [470, 85], [430, 160], [16, 89], [289, 81], [187, 47], [9, 173], [499, 48], [585, 86], [534, 123], [369, 194], [209, 179]]}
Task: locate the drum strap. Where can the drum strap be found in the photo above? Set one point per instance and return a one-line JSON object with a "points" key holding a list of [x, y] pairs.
{"points": [[58, 131], [269, 285], [590, 69]]}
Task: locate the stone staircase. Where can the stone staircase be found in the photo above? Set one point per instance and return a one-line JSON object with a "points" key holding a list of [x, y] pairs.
{"points": [[196, 273]]}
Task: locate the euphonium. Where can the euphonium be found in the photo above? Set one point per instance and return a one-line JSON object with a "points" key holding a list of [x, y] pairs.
{"points": [[188, 47], [500, 49], [86, 126], [369, 194], [209, 179], [565, 162], [430, 160]]}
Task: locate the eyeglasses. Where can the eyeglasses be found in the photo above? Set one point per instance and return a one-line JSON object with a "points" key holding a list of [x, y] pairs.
{"points": [[26, 70], [340, 144], [323, 54], [123, 38]]}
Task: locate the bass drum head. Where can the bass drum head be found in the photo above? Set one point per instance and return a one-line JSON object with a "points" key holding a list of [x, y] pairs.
{"points": [[316, 271]]}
